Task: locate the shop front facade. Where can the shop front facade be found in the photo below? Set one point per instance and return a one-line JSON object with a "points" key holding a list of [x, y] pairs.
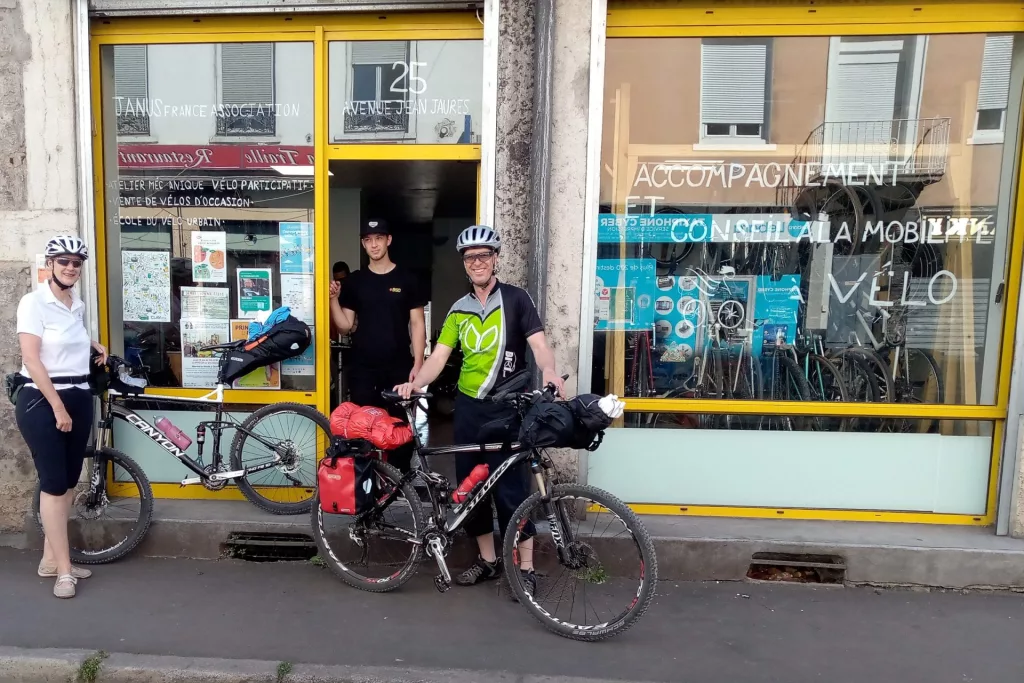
{"points": [[786, 234], [806, 259]]}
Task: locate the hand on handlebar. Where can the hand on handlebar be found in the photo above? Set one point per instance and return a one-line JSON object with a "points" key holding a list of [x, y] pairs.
{"points": [[406, 390], [554, 380]]}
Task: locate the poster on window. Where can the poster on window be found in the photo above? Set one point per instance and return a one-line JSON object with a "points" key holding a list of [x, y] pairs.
{"points": [[304, 364], [624, 294], [297, 294], [209, 257], [147, 286], [268, 377], [199, 368], [296, 240], [213, 303], [255, 291]]}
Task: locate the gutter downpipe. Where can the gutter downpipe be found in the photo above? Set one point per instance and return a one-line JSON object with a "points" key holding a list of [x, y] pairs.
{"points": [[83, 139], [540, 158]]}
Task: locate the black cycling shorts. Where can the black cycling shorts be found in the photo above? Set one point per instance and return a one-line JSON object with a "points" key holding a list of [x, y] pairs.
{"points": [[58, 455]]}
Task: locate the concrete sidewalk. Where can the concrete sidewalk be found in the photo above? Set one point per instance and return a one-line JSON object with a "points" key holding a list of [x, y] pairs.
{"points": [[295, 612], [689, 548]]}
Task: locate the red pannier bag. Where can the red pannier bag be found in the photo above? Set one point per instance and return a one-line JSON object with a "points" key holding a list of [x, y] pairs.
{"points": [[345, 483], [385, 432]]}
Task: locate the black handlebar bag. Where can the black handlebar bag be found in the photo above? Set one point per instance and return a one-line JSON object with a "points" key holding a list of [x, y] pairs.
{"points": [[287, 339]]}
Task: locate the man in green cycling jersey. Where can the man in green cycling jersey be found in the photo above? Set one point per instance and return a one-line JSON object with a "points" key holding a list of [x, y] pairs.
{"points": [[494, 324]]}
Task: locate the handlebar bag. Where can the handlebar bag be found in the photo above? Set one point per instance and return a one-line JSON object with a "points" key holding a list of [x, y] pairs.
{"points": [[370, 423], [548, 425], [345, 483], [286, 339]]}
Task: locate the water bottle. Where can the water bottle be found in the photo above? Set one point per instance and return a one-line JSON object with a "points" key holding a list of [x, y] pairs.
{"points": [[177, 437], [476, 478]]}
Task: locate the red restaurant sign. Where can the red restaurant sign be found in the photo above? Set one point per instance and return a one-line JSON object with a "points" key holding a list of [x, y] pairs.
{"points": [[211, 157]]}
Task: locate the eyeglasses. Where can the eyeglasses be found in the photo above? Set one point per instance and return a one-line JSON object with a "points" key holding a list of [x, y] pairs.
{"points": [[73, 262], [470, 259]]}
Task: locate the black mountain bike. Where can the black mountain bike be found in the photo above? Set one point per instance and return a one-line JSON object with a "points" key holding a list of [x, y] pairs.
{"points": [[279, 478], [379, 550]]}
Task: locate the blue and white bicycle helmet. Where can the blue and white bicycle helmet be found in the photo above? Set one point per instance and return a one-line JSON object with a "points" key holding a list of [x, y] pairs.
{"points": [[66, 245], [478, 236]]}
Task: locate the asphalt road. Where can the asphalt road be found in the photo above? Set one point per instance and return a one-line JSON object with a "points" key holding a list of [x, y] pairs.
{"points": [[706, 633]]}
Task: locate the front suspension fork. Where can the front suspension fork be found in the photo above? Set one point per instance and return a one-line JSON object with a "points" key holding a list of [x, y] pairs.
{"points": [[555, 513]]}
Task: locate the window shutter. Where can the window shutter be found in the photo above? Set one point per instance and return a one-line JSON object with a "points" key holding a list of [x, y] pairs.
{"points": [[130, 72], [247, 73], [995, 72], [379, 51], [732, 82]]}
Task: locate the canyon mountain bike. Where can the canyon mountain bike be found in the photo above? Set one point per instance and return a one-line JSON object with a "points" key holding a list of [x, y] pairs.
{"points": [[580, 522]]}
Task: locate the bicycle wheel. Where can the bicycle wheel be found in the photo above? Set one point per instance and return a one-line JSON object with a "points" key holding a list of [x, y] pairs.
{"points": [[825, 382], [918, 380], [293, 437], [629, 572], [391, 533], [125, 506], [786, 383]]}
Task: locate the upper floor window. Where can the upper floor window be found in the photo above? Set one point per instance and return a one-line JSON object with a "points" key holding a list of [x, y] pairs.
{"points": [[380, 86], [246, 89], [993, 89], [734, 91], [131, 89]]}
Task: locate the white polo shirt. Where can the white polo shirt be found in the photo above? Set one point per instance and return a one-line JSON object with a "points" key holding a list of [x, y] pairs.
{"points": [[66, 345]]}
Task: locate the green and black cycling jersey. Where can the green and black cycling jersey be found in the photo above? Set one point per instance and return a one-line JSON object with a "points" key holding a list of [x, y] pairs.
{"points": [[493, 336]]}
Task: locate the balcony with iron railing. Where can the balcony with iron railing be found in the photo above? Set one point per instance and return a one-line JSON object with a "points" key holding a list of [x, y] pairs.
{"points": [[377, 116], [885, 152], [247, 119], [134, 123]]}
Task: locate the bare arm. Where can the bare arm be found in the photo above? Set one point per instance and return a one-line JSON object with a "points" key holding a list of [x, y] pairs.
{"points": [[344, 319], [545, 358], [418, 330], [30, 345]]}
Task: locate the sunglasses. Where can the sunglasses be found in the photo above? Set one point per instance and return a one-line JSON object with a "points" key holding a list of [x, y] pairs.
{"points": [[477, 258], [73, 262]]}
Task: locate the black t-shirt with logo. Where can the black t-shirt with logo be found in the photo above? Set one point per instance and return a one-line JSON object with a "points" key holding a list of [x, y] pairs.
{"points": [[382, 304]]}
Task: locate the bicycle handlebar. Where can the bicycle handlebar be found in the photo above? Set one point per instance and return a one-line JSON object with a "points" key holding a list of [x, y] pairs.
{"points": [[397, 398]]}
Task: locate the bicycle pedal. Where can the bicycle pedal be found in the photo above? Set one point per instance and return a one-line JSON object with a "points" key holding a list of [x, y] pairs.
{"points": [[440, 584]]}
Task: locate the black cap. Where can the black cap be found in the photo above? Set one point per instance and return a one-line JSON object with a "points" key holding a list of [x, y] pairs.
{"points": [[374, 226]]}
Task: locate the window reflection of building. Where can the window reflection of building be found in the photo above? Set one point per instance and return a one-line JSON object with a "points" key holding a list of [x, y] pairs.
{"points": [[246, 90], [378, 101], [131, 89], [734, 93]]}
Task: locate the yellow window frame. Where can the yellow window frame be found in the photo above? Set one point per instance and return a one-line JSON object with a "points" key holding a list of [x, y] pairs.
{"points": [[748, 18], [315, 29]]}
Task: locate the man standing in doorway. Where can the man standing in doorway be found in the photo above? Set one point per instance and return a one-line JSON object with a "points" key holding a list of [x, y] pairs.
{"points": [[388, 304]]}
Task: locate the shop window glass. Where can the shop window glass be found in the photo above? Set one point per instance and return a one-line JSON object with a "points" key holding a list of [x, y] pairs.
{"points": [[405, 91], [860, 256], [131, 88], [209, 220]]}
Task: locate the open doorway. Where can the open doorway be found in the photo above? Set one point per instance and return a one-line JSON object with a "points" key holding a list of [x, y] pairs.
{"points": [[426, 204]]}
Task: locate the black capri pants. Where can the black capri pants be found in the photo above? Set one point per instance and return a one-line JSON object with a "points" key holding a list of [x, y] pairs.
{"points": [[58, 455], [513, 487]]}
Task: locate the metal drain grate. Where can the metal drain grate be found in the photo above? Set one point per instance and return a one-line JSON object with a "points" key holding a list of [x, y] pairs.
{"points": [[269, 547], [797, 568]]}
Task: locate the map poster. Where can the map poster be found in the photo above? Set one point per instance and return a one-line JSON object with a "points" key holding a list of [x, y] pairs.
{"points": [[296, 244], [209, 257], [199, 368], [206, 302], [147, 286], [255, 291], [268, 377], [297, 294]]}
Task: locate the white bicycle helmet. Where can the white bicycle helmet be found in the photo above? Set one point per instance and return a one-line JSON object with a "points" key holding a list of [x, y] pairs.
{"points": [[478, 236], [66, 245]]}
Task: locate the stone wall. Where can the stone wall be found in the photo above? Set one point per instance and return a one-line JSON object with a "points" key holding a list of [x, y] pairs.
{"points": [[514, 134], [38, 191]]}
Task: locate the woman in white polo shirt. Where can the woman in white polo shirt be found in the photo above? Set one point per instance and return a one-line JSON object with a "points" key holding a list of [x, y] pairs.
{"points": [[55, 406]]}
